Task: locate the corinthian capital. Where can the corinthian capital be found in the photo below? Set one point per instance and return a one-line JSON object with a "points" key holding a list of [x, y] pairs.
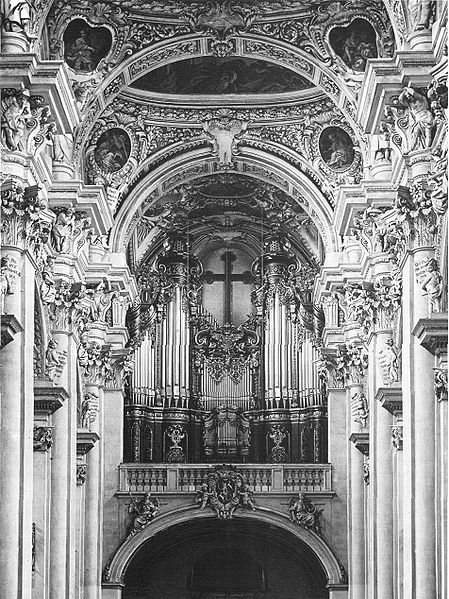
{"points": [[25, 222]]}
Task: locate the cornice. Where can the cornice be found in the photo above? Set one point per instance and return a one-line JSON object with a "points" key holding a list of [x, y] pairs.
{"points": [[47, 398], [361, 442], [432, 333], [85, 440], [390, 398], [10, 327]]}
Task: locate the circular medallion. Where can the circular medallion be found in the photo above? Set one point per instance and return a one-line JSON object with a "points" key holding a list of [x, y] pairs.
{"points": [[112, 150], [336, 148]]}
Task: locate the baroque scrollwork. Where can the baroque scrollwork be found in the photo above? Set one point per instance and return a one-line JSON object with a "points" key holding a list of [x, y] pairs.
{"points": [[224, 490]]}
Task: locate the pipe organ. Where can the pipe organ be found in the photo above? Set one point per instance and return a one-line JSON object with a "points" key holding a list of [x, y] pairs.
{"points": [[220, 387]]}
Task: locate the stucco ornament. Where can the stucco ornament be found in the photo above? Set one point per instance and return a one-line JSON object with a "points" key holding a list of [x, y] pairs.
{"points": [[143, 512], [225, 133], [224, 490], [303, 512]]}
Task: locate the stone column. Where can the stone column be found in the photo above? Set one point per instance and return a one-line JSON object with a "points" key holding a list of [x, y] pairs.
{"points": [[21, 213], [17, 409], [419, 424], [63, 491]]}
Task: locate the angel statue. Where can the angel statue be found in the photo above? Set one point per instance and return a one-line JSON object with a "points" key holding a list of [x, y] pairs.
{"points": [[143, 512], [305, 513]]}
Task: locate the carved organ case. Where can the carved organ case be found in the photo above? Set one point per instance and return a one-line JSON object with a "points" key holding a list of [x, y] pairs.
{"points": [[225, 338]]}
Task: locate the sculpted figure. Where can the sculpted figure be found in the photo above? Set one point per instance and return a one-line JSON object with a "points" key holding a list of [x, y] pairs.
{"points": [[203, 495], [16, 15], [422, 13], [62, 230], [15, 112], [304, 513], [144, 510], [388, 359], [83, 352], [8, 276], [224, 133], [432, 284], [424, 122], [246, 495], [47, 287], [62, 147], [52, 359], [89, 410]]}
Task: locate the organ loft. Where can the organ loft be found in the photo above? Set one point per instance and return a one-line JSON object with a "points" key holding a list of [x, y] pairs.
{"points": [[223, 299]]}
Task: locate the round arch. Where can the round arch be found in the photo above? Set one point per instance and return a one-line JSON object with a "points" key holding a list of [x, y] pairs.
{"points": [[193, 46], [251, 162], [116, 568]]}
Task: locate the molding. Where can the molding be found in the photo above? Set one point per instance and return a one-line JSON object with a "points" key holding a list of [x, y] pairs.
{"points": [[10, 327], [361, 442], [432, 333], [48, 398], [85, 440], [391, 399]]}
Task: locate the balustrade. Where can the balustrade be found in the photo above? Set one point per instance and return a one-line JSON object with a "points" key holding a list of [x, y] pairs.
{"points": [[187, 478]]}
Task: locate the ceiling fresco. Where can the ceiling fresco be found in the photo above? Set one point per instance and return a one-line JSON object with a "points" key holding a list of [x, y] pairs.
{"points": [[229, 75]]}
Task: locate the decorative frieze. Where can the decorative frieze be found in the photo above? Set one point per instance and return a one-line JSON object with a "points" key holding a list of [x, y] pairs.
{"points": [[42, 438]]}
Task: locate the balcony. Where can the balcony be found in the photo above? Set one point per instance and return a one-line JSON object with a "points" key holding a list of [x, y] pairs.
{"points": [[187, 478]]}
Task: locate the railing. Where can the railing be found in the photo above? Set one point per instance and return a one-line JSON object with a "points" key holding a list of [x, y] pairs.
{"points": [[276, 478]]}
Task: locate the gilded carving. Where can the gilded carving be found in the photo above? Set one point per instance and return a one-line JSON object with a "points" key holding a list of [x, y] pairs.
{"points": [[175, 452]]}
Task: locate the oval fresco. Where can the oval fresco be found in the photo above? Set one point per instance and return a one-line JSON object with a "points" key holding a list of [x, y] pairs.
{"points": [[354, 44], [229, 75], [112, 150], [336, 148], [85, 46]]}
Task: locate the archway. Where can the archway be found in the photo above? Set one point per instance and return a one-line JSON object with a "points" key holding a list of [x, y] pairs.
{"points": [[252, 532]]}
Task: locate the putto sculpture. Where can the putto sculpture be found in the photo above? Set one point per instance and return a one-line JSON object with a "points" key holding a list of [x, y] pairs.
{"points": [[142, 512], [224, 490]]}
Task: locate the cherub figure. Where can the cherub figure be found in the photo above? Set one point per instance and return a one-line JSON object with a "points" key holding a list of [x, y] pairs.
{"points": [[203, 496], [432, 284], [145, 510], [246, 495]]}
